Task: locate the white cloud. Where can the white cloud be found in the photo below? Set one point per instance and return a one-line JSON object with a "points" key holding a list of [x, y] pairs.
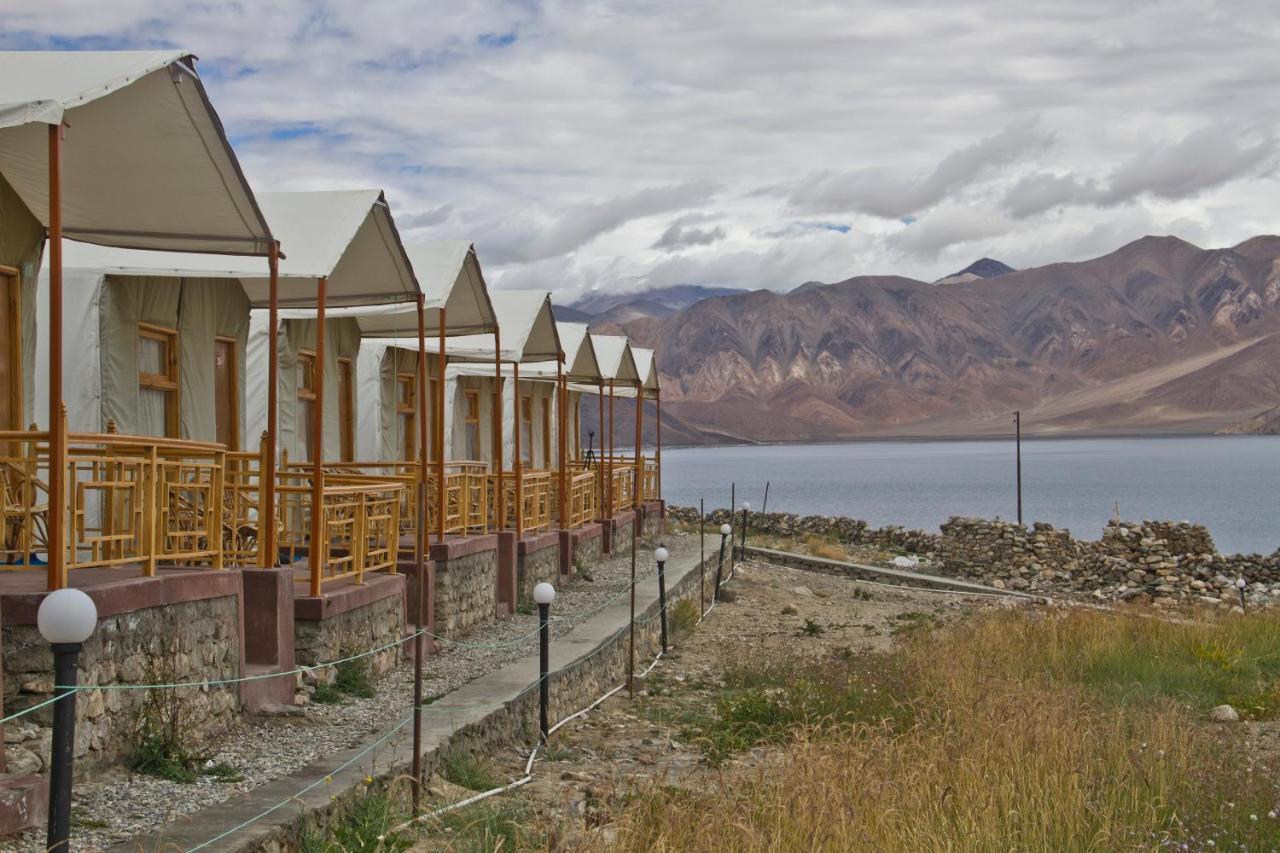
{"points": [[568, 139]]}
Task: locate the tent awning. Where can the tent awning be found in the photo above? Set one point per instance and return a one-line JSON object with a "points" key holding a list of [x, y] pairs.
{"points": [[347, 236], [527, 329], [450, 276], [145, 162]]}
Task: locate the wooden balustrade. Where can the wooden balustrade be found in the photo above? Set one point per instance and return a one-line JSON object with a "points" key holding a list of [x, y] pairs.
{"points": [[131, 500], [364, 473], [361, 525], [581, 504], [466, 497], [536, 492]]}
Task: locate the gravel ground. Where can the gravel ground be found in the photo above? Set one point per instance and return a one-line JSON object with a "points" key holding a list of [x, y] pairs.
{"points": [[118, 806]]}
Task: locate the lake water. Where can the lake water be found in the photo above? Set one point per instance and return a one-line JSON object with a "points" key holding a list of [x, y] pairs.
{"points": [[1231, 484]]}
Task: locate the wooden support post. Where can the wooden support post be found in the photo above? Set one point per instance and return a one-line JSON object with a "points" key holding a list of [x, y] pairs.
{"points": [[500, 499], [268, 551], [318, 534], [562, 439], [440, 432], [637, 493], [657, 454], [609, 472], [419, 554], [56, 577], [518, 462]]}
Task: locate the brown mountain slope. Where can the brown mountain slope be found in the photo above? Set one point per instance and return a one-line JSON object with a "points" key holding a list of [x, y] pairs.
{"points": [[1158, 335]]}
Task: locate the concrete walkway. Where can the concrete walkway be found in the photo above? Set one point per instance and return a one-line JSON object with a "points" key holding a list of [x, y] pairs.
{"points": [[272, 811]]}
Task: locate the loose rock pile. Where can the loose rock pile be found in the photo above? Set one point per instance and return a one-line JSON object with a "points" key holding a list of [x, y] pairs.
{"points": [[1163, 562]]}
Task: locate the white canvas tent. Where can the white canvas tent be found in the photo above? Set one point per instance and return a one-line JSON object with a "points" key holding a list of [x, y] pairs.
{"points": [[527, 333], [346, 236]]}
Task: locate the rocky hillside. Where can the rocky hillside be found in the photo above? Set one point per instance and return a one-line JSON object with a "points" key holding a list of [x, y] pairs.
{"points": [[1159, 335]]}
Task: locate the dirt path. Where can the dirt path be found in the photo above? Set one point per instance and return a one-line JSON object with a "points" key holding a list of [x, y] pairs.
{"points": [[625, 744]]}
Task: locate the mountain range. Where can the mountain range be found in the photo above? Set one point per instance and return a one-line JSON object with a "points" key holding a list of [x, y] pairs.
{"points": [[1157, 336]]}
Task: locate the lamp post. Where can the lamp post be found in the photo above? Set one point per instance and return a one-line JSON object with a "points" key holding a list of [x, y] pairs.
{"points": [[544, 593], [725, 531], [742, 553], [1240, 585], [66, 618], [661, 555]]}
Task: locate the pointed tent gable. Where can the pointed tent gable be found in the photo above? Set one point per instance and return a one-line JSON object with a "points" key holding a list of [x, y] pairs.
{"points": [[581, 364], [526, 327], [616, 359], [347, 236], [450, 275], [146, 163]]}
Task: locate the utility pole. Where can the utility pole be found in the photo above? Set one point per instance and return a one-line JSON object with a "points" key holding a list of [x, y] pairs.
{"points": [[1017, 424]]}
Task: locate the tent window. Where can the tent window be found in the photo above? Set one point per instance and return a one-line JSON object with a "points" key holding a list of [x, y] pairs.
{"points": [[346, 411], [10, 350], [406, 412], [526, 430], [306, 378], [471, 420], [226, 409], [157, 381]]}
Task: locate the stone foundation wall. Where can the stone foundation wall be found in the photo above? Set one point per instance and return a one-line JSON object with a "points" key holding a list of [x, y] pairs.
{"points": [[359, 629], [652, 526], [620, 540], [466, 592], [1161, 560], [185, 641], [534, 568], [589, 552]]}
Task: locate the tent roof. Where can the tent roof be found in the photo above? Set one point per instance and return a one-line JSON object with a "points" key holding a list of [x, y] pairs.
{"points": [[617, 361], [647, 364], [346, 235], [581, 364], [146, 163], [526, 327], [450, 276]]}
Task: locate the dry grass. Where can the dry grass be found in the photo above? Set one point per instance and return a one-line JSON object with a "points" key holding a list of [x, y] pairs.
{"points": [[1027, 733]]}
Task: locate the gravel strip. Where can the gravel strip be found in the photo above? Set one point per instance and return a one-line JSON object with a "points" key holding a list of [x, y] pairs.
{"points": [[121, 805]]}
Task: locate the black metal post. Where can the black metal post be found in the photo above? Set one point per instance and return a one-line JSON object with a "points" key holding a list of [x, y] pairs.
{"points": [[1017, 424], [544, 664], [63, 749], [662, 602], [702, 555], [715, 596]]}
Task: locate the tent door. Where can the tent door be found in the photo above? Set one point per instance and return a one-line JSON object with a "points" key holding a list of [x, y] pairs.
{"points": [[226, 399], [346, 411], [10, 350]]}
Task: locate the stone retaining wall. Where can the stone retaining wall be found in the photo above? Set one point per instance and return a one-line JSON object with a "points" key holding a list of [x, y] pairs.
{"points": [[1162, 560], [359, 629], [534, 567], [466, 592], [184, 641]]}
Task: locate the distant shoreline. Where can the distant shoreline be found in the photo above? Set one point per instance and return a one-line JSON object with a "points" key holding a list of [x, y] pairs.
{"points": [[926, 439]]}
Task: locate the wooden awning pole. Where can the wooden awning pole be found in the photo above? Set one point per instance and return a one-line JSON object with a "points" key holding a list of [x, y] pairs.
{"points": [[500, 499], [317, 448], [268, 553], [419, 550], [56, 573], [439, 406], [635, 497], [518, 462], [612, 508], [561, 439]]}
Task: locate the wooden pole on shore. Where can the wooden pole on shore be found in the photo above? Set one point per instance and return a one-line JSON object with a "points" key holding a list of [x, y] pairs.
{"points": [[1017, 424]]}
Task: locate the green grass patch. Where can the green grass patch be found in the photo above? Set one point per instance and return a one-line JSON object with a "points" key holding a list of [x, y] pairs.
{"points": [[491, 828], [469, 771], [363, 826]]}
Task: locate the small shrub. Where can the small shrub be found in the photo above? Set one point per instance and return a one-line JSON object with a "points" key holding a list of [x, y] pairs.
{"points": [[819, 546], [363, 825], [471, 772], [352, 677], [491, 827], [326, 694], [684, 616], [812, 629], [224, 772], [164, 735]]}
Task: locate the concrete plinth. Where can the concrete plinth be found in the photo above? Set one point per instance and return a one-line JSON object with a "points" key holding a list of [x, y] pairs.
{"points": [[268, 637]]}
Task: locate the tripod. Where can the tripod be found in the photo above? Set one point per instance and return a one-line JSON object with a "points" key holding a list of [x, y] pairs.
{"points": [[590, 459]]}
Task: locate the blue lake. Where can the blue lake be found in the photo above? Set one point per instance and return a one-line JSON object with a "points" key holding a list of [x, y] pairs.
{"points": [[1230, 483]]}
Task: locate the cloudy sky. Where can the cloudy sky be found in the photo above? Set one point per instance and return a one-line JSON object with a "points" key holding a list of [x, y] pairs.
{"points": [[624, 145]]}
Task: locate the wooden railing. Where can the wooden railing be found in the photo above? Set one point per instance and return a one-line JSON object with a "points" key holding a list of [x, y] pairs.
{"points": [[242, 498], [360, 533], [581, 502], [536, 499], [130, 500], [371, 473], [467, 497]]}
